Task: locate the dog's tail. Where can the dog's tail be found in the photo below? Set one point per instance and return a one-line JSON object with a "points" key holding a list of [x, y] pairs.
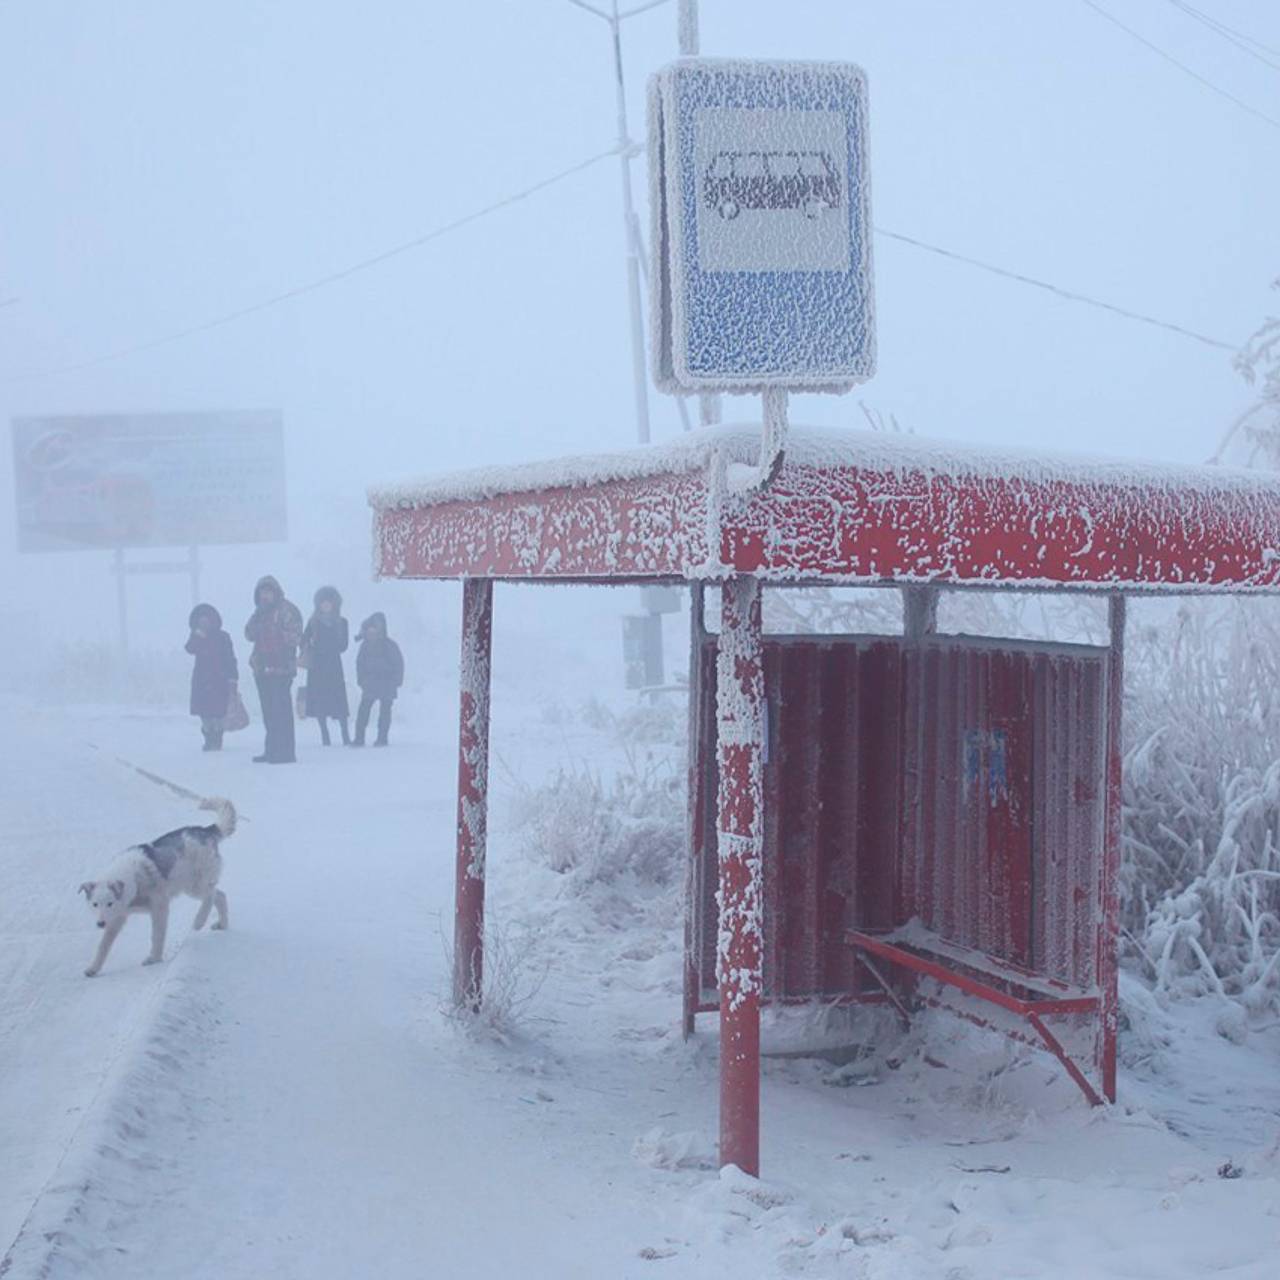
{"points": [[224, 814]]}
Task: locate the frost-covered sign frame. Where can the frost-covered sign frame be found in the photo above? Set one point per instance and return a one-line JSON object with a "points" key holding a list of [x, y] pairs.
{"points": [[760, 199]]}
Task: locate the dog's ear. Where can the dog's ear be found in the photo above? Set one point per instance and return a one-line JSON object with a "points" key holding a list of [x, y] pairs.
{"points": [[117, 887], [86, 888]]}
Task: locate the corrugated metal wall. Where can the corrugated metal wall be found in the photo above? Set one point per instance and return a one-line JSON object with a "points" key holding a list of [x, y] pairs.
{"points": [[831, 802], [957, 781]]}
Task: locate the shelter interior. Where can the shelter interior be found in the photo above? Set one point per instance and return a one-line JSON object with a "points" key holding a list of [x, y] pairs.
{"points": [[934, 813]]}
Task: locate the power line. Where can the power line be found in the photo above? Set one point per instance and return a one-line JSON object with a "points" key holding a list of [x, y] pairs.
{"points": [[1182, 66], [311, 286], [1219, 29], [366, 263], [1241, 39], [1066, 294]]}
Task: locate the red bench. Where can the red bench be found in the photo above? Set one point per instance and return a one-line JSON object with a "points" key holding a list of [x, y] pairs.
{"points": [[1027, 995]]}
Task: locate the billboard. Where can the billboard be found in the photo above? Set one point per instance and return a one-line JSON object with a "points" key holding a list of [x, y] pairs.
{"points": [[762, 226], [149, 480]]}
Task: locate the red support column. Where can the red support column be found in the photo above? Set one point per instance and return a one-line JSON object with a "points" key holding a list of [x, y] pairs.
{"points": [[740, 827], [1109, 887], [694, 814], [473, 793]]}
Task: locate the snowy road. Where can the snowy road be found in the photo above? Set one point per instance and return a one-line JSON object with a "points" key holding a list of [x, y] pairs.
{"points": [[285, 1100], [60, 802], [294, 1104]]}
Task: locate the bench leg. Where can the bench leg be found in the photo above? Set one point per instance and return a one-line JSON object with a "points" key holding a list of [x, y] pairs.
{"points": [[1054, 1045], [883, 983]]}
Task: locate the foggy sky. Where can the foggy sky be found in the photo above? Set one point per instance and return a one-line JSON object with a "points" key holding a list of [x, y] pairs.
{"points": [[162, 163]]}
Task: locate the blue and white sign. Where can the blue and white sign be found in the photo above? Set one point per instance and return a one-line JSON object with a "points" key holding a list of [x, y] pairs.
{"points": [[761, 226]]}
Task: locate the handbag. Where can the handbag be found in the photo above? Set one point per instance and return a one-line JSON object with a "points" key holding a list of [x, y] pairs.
{"points": [[237, 716], [300, 701]]}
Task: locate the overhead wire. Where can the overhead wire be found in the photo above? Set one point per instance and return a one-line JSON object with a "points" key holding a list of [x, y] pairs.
{"points": [[436, 233], [1068, 294], [321, 282], [1182, 66], [1249, 44]]}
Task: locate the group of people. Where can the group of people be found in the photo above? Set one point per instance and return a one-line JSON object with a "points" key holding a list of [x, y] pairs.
{"points": [[282, 646]]}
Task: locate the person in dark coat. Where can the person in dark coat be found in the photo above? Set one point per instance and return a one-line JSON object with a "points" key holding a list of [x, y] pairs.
{"points": [[323, 644], [379, 673], [214, 676], [275, 629]]}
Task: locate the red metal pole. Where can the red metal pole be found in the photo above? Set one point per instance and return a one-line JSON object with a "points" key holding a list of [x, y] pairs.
{"points": [[1109, 896], [694, 820], [473, 789], [740, 826]]}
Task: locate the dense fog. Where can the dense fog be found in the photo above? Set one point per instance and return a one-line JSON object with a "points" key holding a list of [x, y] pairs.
{"points": [[163, 168]]}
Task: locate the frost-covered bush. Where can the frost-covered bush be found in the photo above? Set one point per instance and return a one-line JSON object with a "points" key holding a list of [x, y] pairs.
{"points": [[1253, 439], [578, 824], [1201, 873], [597, 827], [833, 611], [513, 975]]}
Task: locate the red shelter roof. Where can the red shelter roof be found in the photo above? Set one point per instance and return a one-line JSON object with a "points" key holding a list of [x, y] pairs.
{"points": [[846, 507]]}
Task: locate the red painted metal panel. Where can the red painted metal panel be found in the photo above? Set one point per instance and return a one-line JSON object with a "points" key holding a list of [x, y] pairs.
{"points": [[1002, 834], [831, 806], [957, 782], [1131, 528], [652, 527], [863, 524]]}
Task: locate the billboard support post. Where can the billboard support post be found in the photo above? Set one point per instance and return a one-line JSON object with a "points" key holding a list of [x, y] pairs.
{"points": [[191, 566]]}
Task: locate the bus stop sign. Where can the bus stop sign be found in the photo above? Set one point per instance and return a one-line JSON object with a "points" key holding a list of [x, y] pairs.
{"points": [[761, 226]]}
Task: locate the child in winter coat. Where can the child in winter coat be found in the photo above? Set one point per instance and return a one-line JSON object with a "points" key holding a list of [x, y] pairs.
{"points": [[379, 673], [323, 643], [214, 676]]}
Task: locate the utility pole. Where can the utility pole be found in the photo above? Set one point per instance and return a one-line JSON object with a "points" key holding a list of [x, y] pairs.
{"points": [[627, 149], [687, 32]]}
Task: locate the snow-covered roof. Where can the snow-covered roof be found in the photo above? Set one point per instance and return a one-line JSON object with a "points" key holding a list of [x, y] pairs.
{"points": [[824, 448], [847, 506]]}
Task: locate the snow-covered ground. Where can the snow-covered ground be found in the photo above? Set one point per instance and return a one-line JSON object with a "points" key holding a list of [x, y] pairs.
{"points": [[286, 1099]]}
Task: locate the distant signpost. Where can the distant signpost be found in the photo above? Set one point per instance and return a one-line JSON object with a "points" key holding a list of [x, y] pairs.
{"points": [[761, 227], [120, 481]]}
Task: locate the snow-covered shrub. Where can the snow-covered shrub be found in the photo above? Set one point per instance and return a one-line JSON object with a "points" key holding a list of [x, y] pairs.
{"points": [[833, 611], [1253, 439], [595, 827], [513, 976], [580, 825], [1200, 882]]}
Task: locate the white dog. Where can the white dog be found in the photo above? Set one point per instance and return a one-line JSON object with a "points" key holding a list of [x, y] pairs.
{"points": [[149, 876]]}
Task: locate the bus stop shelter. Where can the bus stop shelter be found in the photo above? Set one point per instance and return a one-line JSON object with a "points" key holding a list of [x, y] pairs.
{"points": [[908, 819]]}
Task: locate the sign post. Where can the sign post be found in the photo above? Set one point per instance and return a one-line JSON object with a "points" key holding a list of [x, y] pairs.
{"points": [[761, 282]]}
